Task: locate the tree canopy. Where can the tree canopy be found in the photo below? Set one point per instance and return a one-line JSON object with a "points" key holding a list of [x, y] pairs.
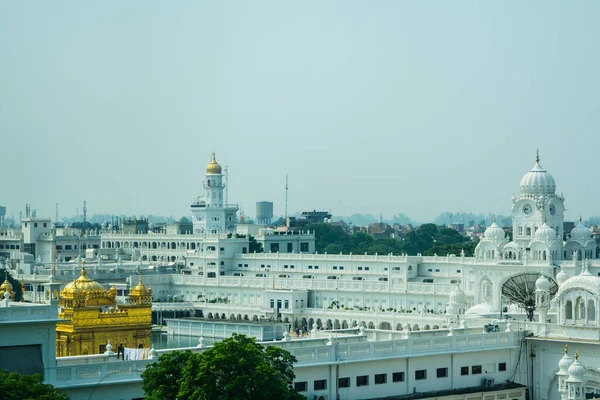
{"points": [[15, 386], [426, 239], [235, 368], [253, 245]]}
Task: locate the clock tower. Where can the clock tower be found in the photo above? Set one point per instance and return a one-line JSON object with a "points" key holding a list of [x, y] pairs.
{"points": [[537, 203]]}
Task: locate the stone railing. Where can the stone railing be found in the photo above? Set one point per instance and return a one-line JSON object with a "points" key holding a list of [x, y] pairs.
{"points": [[92, 374], [28, 312]]}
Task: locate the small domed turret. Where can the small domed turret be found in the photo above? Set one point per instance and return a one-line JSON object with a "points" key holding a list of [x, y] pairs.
{"points": [[545, 232], [494, 232], [6, 287], [561, 277], [576, 371], [542, 284], [213, 167], [457, 296], [565, 362], [581, 232]]}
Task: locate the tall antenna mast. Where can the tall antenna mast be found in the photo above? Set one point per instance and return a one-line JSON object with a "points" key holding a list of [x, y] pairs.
{"points": [[285, 221], [84, 212], [226, 185], [56, 214]]}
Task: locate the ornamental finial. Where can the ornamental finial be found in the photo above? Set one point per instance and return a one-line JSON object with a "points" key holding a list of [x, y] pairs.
{"points": [[494, 218], [213, 156], [576, 355], [566, 349], [537, 155]]}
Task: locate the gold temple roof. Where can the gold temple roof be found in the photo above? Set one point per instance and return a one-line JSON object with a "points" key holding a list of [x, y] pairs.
{"points": [[82, 285], [213, 167], [140, 289], [6, 287]]}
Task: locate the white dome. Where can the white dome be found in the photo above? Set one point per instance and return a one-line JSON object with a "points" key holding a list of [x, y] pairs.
{"points": [[542, 284], [457, 296], [494, 232], [561, 277], [483, 308], [565, 363], [584, 280], [537, 181], [576, 371], [581, 232], [545, 232]]}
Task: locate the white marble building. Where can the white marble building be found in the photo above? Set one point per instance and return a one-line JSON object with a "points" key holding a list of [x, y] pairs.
{"points": [[419, 312]]}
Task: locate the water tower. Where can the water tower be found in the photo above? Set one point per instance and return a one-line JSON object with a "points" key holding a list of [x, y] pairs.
{"points": [[264, 212]]}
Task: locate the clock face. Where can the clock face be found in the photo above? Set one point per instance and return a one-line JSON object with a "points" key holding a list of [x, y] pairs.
{"points": [[527, 209], [552, 209]]}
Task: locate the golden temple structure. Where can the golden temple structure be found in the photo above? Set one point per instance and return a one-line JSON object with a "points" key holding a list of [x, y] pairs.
{"points": [[93, 318]]}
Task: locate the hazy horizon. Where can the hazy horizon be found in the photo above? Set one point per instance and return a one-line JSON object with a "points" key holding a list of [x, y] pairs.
{"points": [[375, 108]]}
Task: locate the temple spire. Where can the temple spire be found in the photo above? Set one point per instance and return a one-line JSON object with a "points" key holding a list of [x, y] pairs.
{"points": [[537, 155]]}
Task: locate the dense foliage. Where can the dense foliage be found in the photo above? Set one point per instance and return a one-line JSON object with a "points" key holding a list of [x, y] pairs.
{"points": [[427, 239], [235, 368], [15, 386], [254, 246]]}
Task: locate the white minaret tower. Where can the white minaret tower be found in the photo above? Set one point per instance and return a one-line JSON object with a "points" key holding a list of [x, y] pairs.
{"points": [[576, 380], [536, 203], [542, 297], [563, 374], [210, 215]]}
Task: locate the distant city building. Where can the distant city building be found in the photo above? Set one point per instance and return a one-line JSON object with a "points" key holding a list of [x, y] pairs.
{"points": [[2, 215]]}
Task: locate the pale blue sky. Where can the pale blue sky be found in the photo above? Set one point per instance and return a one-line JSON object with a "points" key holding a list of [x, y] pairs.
{"points": [[375, 107]]}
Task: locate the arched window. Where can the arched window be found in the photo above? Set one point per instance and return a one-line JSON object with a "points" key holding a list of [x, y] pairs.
{"points": [[591, 311], [208, 183], [569, 310], [580, 308]]}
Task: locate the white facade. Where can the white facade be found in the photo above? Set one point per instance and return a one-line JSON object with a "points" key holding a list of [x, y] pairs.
{"points": [[417, 310]]}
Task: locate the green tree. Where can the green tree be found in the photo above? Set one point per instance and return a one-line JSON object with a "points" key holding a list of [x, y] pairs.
{"points": [[161, 378], [239, 368], [15, 386], [253, 245]]}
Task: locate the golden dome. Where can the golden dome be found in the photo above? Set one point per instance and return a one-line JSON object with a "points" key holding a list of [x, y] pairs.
{"points": [[140, 289], [6, 287], [82, 285], [213, 167]]}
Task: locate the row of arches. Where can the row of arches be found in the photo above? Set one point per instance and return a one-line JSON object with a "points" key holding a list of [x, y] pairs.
{"points": [[306, 324], [580, 311], [150, 245]]}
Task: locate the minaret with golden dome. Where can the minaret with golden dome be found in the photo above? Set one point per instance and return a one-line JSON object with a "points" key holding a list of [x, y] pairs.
{"points": [[93, 317], [210, 214]]}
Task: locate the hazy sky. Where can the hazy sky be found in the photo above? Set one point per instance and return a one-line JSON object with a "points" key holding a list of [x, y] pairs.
{"points": [[373, 107]]}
